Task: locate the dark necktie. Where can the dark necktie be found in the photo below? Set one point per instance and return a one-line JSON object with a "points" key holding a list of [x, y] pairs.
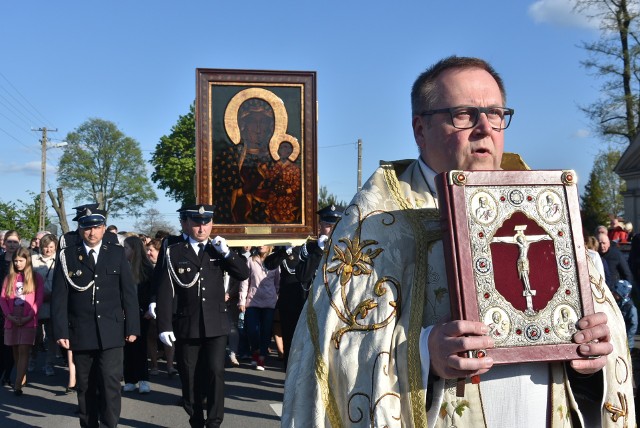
{"points": [[200, 250], [92, 260]]}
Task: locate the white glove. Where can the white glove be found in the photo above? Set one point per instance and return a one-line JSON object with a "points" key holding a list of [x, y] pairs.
{"points": [[152, 309], [167, 338], [289, 249], [321, 240], [220, 244]]}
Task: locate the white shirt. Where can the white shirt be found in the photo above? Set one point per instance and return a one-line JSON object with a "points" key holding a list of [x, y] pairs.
{"points": [[195, 244], [513, 395], [96, 250]]}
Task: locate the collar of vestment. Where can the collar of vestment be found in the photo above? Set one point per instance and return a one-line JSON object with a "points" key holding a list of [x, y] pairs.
{"points": [[429, 176]]}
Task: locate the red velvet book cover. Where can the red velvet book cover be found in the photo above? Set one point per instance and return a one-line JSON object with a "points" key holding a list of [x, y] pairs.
{"points": [[516, 259]]}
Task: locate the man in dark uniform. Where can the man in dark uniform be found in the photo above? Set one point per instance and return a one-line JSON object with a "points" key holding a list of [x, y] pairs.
{"points": [[158, 270], [291, 295], [160, 266], [194, 279], [298, 267], [94, 309], [312, 251]]}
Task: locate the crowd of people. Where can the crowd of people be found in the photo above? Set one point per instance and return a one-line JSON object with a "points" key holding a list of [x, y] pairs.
{"points": [[376, 344], [250, 290], [621, 270]]}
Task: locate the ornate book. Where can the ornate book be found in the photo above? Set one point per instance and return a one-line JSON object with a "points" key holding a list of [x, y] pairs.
{"points": [[516, 259]]}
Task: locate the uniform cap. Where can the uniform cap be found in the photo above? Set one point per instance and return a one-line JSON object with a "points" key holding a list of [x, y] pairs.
{"points": [[91, 218], [81, 208], [329, 214], [201, 214], [182, 213]]}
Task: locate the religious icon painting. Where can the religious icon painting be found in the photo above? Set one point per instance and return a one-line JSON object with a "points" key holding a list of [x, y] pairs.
{"points": [[516, 259], [256, 153]]}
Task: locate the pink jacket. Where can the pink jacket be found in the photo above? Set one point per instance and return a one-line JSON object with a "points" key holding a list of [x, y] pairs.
{"points": [[32, 302], [260, 290]]}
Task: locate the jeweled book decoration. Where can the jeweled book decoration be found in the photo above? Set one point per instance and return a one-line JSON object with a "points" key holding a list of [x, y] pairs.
{"points": [[516, 259]]}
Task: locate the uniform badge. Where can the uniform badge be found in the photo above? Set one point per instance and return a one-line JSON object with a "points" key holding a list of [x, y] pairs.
{"points": [[78, 272], [180, 270]]}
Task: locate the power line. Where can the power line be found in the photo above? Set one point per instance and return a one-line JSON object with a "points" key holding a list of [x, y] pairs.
{"points": [[17, 126], [41, 118], [337, 145], [12, 109], [20, 142]]}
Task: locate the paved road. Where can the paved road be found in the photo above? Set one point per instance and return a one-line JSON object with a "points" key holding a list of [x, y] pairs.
{"points": [[252, 398]]}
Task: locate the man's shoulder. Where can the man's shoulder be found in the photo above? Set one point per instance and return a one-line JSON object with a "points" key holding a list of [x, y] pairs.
{"points": [[112, 248], [174, 239], [178, 245], [398, 166]]}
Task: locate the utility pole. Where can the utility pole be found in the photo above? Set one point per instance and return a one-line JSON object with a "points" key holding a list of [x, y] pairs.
{"points": [[43, 174], [359, 164]]}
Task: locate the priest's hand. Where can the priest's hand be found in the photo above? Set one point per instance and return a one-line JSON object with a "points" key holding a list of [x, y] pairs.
{"points": [[449, 344], [594, 340]]}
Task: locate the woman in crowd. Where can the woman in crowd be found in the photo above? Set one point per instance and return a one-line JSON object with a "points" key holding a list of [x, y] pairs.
{"points": [[153, 249], [12, 243], [22, 294], [592, 245], [135, 353], [258, 298], [237, 341], [44, 265]]}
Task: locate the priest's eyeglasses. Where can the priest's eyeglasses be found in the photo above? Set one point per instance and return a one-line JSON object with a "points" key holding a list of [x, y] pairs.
{"points": [[466, 117]]}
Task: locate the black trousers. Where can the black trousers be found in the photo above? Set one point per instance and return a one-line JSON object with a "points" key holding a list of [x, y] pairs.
{"points": [[201, 367], [98, 374], [288, 321], [136, 366]]}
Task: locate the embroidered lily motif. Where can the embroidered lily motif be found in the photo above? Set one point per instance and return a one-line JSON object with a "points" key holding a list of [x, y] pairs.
{"points": [[356, 259]]}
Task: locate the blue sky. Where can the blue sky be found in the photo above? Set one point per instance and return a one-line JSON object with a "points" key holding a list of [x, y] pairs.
{"points": [[133, 63]]}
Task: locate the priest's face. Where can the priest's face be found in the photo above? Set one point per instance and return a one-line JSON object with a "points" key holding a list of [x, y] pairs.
{"points": [[444, 147]]}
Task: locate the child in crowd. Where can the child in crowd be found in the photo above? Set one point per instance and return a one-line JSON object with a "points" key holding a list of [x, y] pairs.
{"points": [[621, 291], [21, 296]]}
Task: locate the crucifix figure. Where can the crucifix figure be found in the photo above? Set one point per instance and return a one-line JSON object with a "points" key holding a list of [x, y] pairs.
{"points": [[523, 241]]}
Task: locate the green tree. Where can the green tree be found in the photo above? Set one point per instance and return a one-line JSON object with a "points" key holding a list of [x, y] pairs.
{"points": [[615, 58], [325, 198], [602, 197], [594, 211], [23, 216], [102, 164], [174, 160]]}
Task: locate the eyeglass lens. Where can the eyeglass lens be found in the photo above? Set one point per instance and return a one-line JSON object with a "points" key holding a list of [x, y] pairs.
{"points": [[467, 117]]}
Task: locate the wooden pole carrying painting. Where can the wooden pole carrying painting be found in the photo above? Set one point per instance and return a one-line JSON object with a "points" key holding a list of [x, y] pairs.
{"points": [[256, 153]]}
